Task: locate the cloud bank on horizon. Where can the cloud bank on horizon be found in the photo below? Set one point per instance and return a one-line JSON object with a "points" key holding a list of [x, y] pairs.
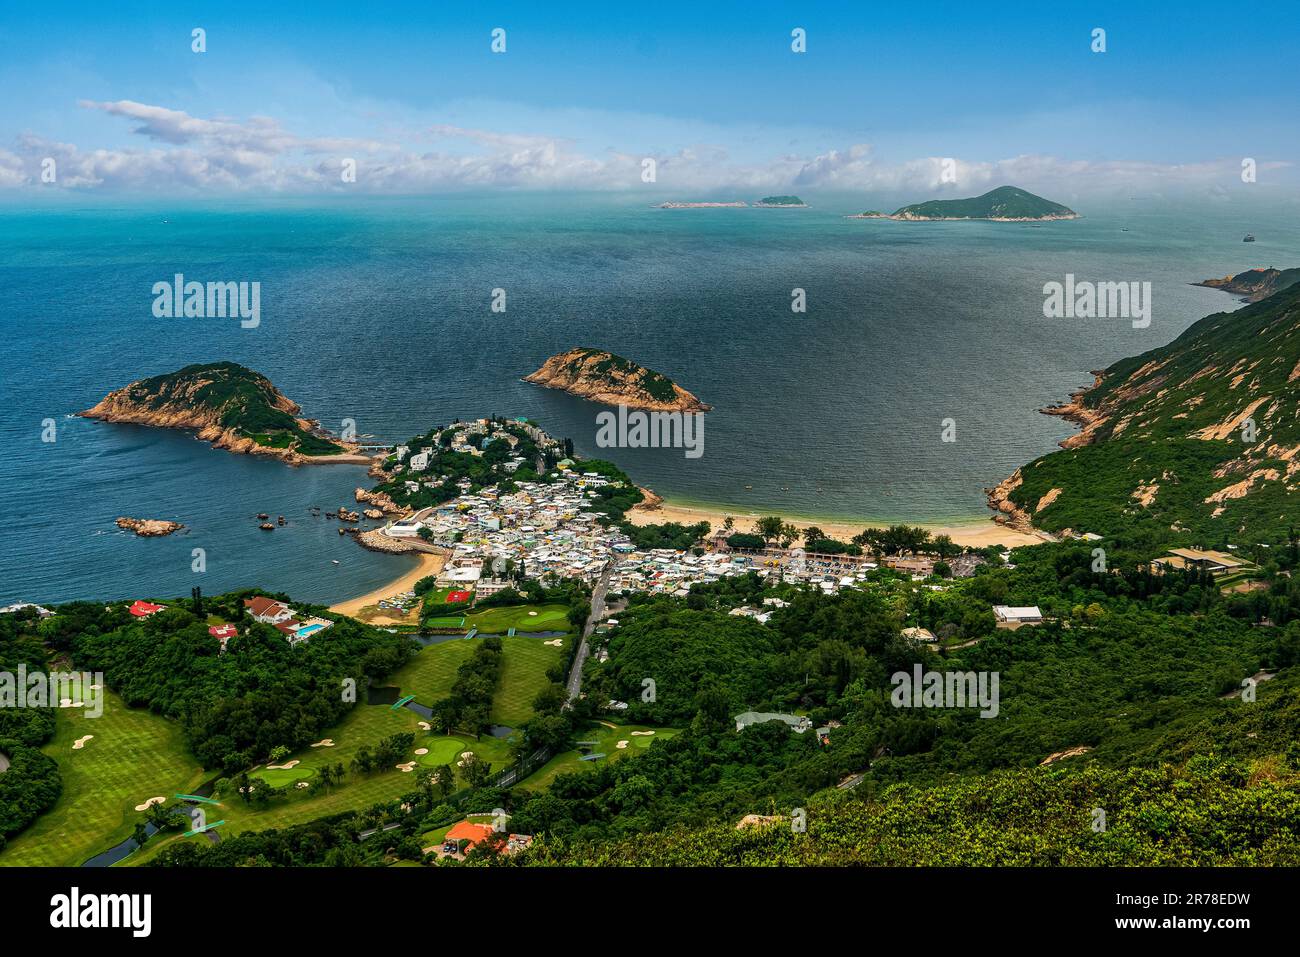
{"points": [[182, 152]]}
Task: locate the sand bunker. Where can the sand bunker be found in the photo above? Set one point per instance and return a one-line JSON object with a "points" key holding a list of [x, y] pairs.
{"points": [[637, 734], [426, 726], [532, 614], [324, 743], [623, 744], [408, 766], [421, 750], [150, 803], [556, 643], [287, 766], [465, 757], [81, 742], [302, 784]]}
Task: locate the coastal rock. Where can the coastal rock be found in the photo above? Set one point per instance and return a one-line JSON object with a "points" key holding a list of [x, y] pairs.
{"points": [[380, 501], [1089, 420], [148, 527], [610, 379], [373, 513], [650, 502], [1009, 513]]}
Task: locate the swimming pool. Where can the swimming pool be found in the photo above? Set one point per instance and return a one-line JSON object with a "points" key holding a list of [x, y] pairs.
{"points": [[306, 631]]}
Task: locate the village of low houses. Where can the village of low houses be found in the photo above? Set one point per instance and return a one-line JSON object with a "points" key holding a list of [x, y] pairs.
{"points": [[553, 528]]}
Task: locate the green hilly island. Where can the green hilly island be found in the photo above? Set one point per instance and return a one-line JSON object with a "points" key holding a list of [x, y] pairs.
{"points": [[228, 404], [1003, 203]]}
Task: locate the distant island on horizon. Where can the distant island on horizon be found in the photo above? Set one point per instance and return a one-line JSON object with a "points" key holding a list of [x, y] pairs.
{"points": [[767, 202], [1006, 204]]}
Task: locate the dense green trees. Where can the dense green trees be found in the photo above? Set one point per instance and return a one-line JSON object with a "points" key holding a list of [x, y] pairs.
{"points": [[238, 705], [32, 782], [470, 702]]}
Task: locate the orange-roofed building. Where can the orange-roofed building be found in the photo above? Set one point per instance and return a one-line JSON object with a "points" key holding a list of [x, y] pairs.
{"points": [[471, 832], [143, 609]]}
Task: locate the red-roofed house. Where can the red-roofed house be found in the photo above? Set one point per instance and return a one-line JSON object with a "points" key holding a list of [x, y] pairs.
{"points": [[143, 609], [268, 610], [223, 633]]}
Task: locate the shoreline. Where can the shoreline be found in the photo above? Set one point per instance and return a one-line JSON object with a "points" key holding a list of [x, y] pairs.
{"points": [[975, 533], [428, 564]]}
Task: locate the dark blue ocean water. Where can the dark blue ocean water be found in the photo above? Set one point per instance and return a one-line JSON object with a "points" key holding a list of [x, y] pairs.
{"points": [[378, 311]]}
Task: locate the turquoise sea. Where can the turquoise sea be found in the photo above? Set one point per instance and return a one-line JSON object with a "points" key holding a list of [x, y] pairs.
{"points": [[378, 310]]}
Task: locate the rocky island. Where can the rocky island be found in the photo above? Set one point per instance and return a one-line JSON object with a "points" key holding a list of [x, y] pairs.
{"points": [[148, 527], [230, 406], [781, 202], [604, 377], [1006, 204]]}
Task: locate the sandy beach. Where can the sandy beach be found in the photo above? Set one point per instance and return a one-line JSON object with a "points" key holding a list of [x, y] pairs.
{"points": [[975, 534], [428, 564]]}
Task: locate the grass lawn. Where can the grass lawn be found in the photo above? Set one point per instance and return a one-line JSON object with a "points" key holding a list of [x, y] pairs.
{"points": [[134, 755], [501, 620], [607, 739], [523, 674], [457, 621]]}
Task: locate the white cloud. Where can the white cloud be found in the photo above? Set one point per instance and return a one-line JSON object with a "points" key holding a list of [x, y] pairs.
{"points": [[259, 154]]}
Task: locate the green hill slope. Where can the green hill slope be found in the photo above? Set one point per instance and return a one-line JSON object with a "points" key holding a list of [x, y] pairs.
{"points": [[1200, 436]]}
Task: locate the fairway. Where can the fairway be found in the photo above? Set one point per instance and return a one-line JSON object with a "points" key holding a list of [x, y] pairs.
{"points": [[523, 674], [498, 621], [134, 755], [607, 740], [431, 673]]}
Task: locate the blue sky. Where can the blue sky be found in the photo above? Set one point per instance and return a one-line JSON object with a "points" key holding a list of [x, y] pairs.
{"points": [[585, 91]]}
